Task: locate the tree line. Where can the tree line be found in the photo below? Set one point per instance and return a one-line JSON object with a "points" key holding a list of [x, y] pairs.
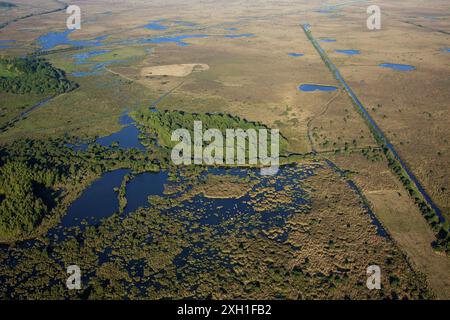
{"points": [[23, 75], [162, 124]]}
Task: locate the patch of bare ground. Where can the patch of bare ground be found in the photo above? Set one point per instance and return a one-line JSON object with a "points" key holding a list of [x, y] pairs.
{"points": [[337, 126], [174, 70]]}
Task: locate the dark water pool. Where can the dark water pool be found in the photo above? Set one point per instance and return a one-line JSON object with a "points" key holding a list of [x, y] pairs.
{"points": [[54, 39], [7, 44], [156, 25], [126, 138], [98, 201], [142, 186], [327, 40]]}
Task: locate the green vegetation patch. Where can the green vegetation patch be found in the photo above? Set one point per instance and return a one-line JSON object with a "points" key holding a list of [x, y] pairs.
{"points": [[161, 124], [32, 75], [225, 187], [125, 53], [22, 194]]}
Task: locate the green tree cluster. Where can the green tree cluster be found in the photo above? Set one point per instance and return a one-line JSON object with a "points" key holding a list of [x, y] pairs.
{"points": [[23, 75], [22, 192], [163, 123], [35, 176]]}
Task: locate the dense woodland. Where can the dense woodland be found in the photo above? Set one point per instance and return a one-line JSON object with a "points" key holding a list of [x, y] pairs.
{"points": [[162, 124], [23, 75], [36, 175], [26, 197]]}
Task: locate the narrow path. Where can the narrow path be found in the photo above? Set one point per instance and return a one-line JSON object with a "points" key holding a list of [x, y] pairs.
{"points": [[325, 109], [166, 94], [24, 114], [119, 74], [418, 25], [381, 230]]}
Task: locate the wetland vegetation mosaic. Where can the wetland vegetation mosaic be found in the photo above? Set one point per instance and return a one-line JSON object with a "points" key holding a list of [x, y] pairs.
{"points": [[87, 178]]}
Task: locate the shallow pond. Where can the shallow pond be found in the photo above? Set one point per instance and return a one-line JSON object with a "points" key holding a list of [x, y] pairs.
{"points": [[327, 40], [398, 67], [316, 87], [238, 36], [127, 138], [295, 54], [348, 52], [54, 39], [100, 200], [142, 186]]}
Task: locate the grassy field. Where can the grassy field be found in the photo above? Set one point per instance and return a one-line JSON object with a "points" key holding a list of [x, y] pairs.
{"points": [[12, 105], [92, 110], [4, 72]]}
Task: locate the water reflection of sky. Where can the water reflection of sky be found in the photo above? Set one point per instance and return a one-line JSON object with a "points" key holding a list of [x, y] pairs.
{"points": [[398, 67]]}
